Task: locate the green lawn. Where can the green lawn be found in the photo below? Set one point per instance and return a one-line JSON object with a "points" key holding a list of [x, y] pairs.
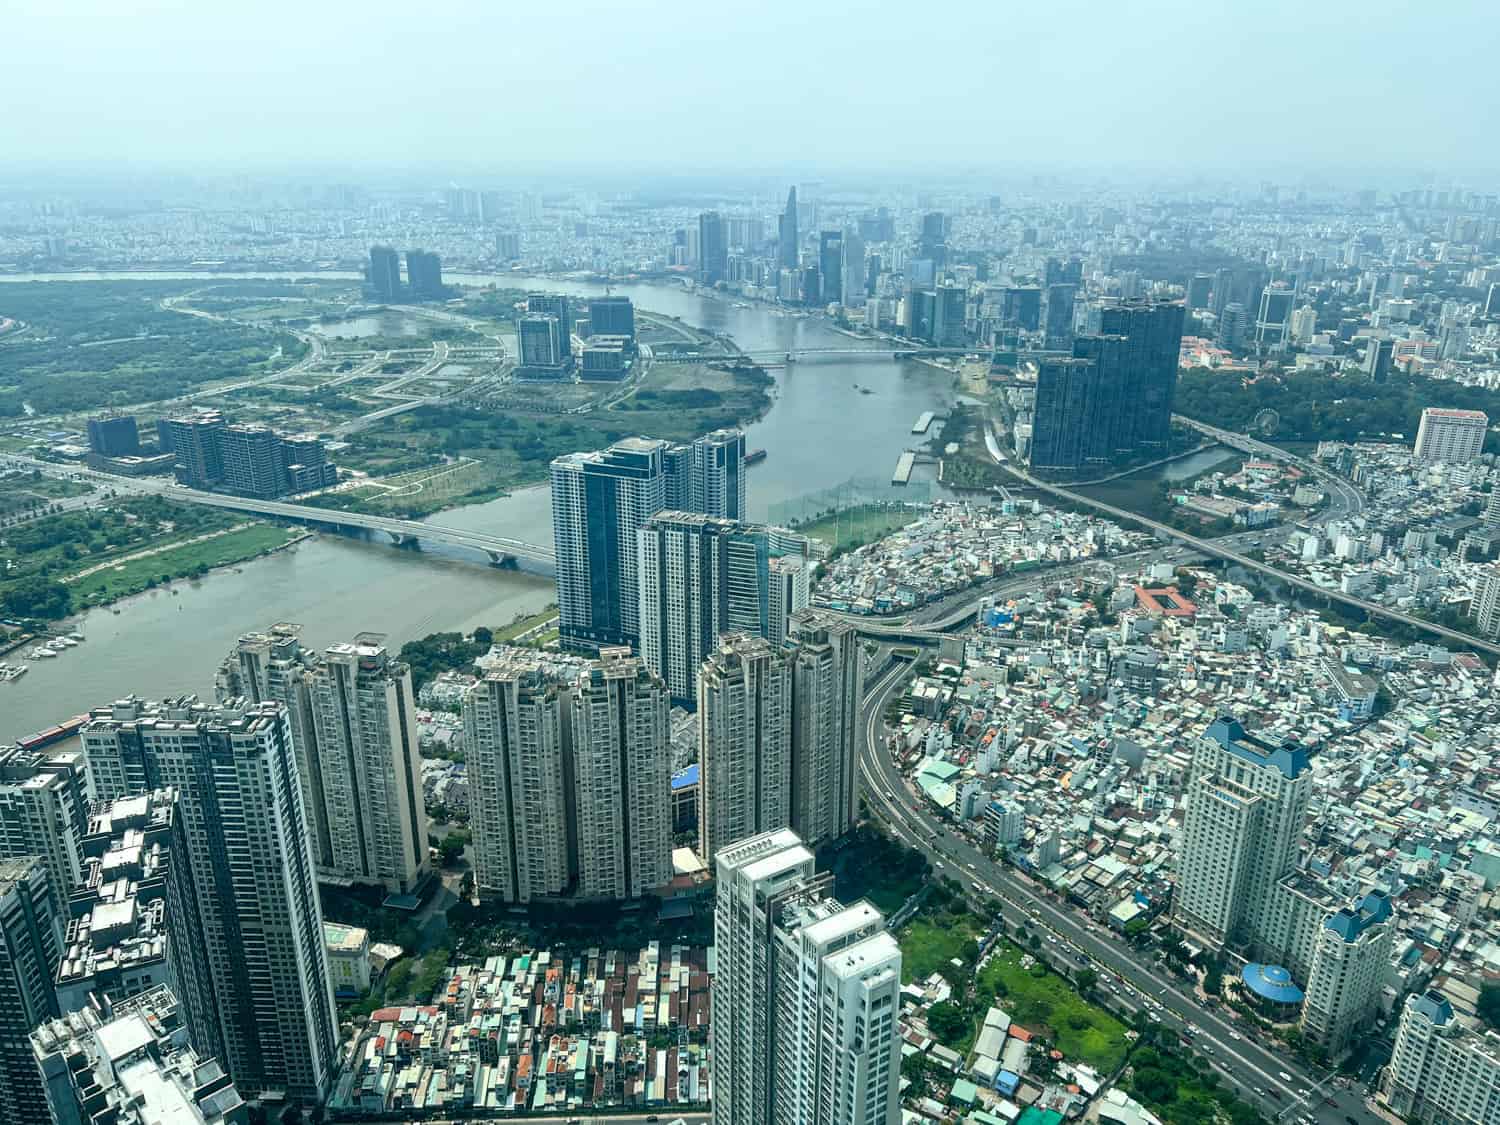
{"points": [[927, 947], [1045, 1002], [858, 526], [180, 562], [516, 628]]}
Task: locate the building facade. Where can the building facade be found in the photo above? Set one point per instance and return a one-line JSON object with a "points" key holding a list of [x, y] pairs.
{"points": [[1450, 436], [744, 742], [1246, 804], [30, 945], [44, 812], [235, 773], [1445, 1069], [806, 996]]}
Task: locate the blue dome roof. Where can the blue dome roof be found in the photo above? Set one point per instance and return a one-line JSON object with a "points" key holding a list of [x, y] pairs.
{"points": [[1271, 982]]}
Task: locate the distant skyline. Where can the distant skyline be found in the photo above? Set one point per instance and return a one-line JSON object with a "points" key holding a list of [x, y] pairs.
{"points": [[1174, 88]]}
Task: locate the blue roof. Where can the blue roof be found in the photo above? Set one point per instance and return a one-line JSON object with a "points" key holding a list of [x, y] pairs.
{"points": [[1351, 922], [1432, 1005], [687, 777], [1290, 757], [1272, 982]]}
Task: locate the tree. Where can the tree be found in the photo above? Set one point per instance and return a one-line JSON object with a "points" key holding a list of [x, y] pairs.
{"points": [[1489, 1005], [948, 1022], [1086, 980]]}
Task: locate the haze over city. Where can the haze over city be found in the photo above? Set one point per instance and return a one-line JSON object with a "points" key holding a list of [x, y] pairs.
{"points": [[768, 565], [1167, 89]]}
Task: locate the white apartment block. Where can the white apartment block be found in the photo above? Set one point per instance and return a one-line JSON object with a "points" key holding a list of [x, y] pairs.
{"points": [[1445, 1069], [351, 713], [514, 731], [700, 577], [1485, 609], [827, 667], [744, 742], [1450, 436], [622, 777], [364, 717], [806, 995], [837, 997], [247, 842], [1246, 804], [1349, 965], [569, 765], [44, 812]]}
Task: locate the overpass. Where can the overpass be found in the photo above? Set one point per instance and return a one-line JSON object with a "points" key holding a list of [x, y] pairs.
{"points": [[770, 356], [502, 550], [1215, 550]]}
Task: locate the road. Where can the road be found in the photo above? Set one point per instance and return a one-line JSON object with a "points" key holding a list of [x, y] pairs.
{"points": [[1245, 1063], [1218, 548]]}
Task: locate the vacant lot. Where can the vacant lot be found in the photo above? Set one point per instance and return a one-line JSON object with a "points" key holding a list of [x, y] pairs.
{"points": [[1045, 1002]]}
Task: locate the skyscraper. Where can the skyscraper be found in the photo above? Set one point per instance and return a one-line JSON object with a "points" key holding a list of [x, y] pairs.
{"points": [[114, 436], [1153, 341], [612, 316], [744, 742], [569, 776], [716, 485], [787, 232], [1350, 959], [1068, 429], [385, 272], [424, 275], [1445, 1067], [700, 577], [1021, 307], [134, 920], [599, 502], [252, 462], [365, 726], [44, 813], [852, 271], [827, 669], [515, 731], [30, 945], [130, 1064], [351, 714], [1058, 315], [713, 248], [1232, 325], [197, 441], [932, 242], [1246, 803], [831, 264], [1198, 289], [806, 997], [622, 778], [1272, 321], [236, 777]]}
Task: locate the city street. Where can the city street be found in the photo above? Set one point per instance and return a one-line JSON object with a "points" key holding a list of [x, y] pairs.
{"points": [[1290, 1091]]}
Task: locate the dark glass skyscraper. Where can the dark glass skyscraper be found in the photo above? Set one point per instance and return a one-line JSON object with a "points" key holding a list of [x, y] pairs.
{"points": [[831, 264], [788, 232], [713, 248], [1153, 340], [424, 274], [1112, 399], [385, 272]]}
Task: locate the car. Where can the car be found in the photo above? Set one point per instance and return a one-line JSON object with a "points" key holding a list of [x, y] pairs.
{"points": [[1155, 1018], [1283, 1075], [1235, 1035]]}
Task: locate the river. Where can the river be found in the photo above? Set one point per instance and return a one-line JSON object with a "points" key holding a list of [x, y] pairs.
{"points": [[821, 430]]}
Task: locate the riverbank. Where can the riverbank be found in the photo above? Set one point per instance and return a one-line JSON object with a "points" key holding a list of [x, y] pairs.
{"points": [[108, 583]]}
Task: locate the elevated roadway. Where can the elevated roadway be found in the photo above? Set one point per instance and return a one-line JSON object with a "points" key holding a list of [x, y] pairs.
{"points": [[501, 549], [1217, 549]]}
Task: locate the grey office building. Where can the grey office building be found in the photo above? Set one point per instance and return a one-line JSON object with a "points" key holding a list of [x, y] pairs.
{"points": [[30, 946]]}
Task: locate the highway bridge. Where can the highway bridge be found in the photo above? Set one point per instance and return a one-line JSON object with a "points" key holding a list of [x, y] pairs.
{"points": [[501, 549], [770, 357]]}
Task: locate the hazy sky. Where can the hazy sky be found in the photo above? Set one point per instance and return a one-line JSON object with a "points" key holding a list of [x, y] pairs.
{"points": [[1246, 86]]}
